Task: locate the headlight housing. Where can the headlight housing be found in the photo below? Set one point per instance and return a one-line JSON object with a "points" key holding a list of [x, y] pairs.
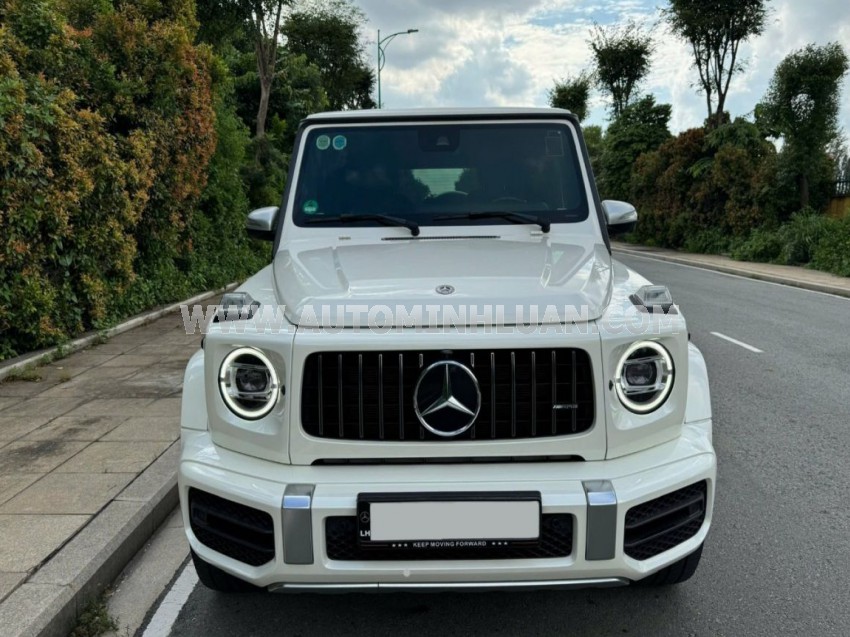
{"points": [[644, 377], [248, 382]]}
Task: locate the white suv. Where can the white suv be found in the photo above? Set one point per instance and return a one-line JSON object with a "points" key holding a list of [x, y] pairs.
{"points": [[444, 380]]}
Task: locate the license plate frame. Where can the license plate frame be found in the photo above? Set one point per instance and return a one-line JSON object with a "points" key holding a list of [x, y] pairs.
{"points": [[492, 499]]}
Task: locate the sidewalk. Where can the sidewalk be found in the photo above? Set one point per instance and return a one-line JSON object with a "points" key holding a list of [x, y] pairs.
{"points": [[87, 460], [785, 274]]}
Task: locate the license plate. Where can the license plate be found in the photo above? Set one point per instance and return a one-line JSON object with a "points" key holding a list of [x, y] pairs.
{"points": [[448, 520]]}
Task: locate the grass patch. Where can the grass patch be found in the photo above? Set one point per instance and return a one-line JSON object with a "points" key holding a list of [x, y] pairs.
{"points": [[95, 620], [29, 374]]}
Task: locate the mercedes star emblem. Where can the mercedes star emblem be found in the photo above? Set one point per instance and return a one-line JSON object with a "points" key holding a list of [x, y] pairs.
{"points": [[445, 289], [447, 398]]}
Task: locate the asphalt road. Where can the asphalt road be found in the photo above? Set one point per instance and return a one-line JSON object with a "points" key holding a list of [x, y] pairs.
{"points": [[777, 561]]}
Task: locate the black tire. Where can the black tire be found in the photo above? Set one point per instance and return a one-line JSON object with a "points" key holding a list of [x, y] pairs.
{"points": [[676, 573], [215, 579]]}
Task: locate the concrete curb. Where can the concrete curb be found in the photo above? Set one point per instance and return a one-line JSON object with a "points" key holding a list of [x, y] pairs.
{"points": [[47, 355], [49, 602], [748, 274]]}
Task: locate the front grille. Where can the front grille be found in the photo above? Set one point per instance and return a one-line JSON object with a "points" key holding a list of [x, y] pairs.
{"points": [[232, 529], [556, 540], [524, 394], [660, 524]]}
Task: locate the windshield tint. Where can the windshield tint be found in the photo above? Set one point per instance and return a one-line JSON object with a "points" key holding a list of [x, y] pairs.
{"points": [[439, 174]]}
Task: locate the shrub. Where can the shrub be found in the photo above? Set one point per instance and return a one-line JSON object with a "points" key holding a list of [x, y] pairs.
{"points": [[119, 166], [710, 241], [802, 235], [832, 252], [764, 245]]}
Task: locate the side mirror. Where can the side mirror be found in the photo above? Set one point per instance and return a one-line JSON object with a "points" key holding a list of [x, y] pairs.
{"points": [[621, 216], [262, 223]]}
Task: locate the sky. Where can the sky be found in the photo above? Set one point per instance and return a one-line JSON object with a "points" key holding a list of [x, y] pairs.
{"points": [[510, 52]]}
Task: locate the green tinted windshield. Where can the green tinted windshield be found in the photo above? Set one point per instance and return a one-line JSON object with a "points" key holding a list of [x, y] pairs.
{"points": [[437, 174]]}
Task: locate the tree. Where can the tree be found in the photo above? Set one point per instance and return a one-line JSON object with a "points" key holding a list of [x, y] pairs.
{"points": [[641, 127], [715, 31], [327, 34], [622, 58], [573, 94], [594, 141], [801, 107], [265, 20]]}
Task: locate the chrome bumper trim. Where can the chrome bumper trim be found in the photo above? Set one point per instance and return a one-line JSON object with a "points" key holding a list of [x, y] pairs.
{"points": [[601, 543], [436, 587], [298, 524]]}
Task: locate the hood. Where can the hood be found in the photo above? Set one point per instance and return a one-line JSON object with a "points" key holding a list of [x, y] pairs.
{"points": [[539, 280]]}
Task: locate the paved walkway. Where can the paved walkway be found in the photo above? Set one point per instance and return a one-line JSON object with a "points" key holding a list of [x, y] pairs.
{"points": [[787, 274], [71, 442]]}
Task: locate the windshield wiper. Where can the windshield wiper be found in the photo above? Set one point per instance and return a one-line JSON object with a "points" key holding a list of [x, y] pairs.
{"points": [[385, 220], [513, 217]]}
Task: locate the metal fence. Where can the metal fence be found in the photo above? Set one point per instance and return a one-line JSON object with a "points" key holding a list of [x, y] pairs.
{"points": [[842, 188]]}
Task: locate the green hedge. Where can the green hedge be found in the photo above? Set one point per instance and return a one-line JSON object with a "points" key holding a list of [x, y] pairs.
{"points": [[120, 154], [727, 191]]}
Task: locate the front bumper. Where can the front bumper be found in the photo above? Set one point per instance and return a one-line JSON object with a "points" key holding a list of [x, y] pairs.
{"points": [[597, 494]]}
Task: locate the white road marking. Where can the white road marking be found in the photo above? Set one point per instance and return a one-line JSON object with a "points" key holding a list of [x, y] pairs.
{"points": [[629, 253], [737, 342], [163, 620]]}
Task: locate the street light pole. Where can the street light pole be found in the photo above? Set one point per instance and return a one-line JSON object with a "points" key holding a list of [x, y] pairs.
{"points": [[382, 56]]}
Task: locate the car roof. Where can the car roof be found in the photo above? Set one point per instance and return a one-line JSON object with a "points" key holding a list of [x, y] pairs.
{"points": [[439, 113]]}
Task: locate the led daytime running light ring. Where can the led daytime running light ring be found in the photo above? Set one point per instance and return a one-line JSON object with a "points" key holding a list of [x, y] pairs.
{"points": [[666, 379], [224, 380]]}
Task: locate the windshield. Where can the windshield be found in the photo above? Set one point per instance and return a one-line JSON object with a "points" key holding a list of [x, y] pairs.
{"points": [[446, 174]]}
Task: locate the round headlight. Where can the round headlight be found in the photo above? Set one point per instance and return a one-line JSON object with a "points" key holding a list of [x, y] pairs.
{"points": [[644, 377], [249, 385]]}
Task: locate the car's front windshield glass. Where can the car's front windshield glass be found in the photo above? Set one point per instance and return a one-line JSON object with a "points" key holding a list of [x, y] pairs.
{"points": [[442, 174]]}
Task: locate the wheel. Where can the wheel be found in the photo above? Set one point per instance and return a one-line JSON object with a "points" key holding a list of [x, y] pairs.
{"points": [[215, 579], [676, 573]]}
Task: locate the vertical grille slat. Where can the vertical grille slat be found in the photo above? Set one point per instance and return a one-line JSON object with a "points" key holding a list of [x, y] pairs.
{"points": [[340, 397], [574, 394], [533, 394], [360, 395], [369, 395], [472, 367], [381, 396], [401, 396], [513, 394], [493, 395], [321, 403], [554, 391]]}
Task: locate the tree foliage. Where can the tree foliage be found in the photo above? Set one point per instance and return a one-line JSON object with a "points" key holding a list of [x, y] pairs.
{"points": [[572, 94], [107, 130], [715, 31], [327, 35], [594, 141], [640, 127], [801, 107], [622, 56]]}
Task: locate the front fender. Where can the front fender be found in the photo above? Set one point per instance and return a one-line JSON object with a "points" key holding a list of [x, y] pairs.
{"points": [[193, 411], [698, 407]]}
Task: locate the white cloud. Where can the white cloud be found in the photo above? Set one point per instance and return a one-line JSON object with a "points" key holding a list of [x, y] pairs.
{"points": [[509, 52]]}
